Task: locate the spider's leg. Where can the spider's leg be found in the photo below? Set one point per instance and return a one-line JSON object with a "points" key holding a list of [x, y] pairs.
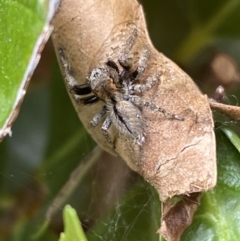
{"points": [[89, 100], [124, 59], [106, 124], [140, 102], [98, 117], [141, 88], [114, 73], [83, 89], [142, 64], [73, 85], [71, 82], [110, 63]]}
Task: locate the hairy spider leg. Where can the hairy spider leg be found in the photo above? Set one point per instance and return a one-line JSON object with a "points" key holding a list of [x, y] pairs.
{"points": [[141, 88], [112, 65], [89, 100], [124, 59], [73, 85], [71, 82], [99, 116], [140, 102], [83, 89], [114, 73], [106, 125], [150, 82], [126, 62], [142, 64]]}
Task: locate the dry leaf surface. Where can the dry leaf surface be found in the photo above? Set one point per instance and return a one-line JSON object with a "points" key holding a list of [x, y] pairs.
{"points": [[178, 156], [177, 216]]}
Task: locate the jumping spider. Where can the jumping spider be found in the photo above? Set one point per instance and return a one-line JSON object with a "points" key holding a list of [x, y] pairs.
{"points": [[120, 91]]}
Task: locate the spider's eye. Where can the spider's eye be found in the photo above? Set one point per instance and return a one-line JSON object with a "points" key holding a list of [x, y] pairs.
{"points": [[97, 78], [95, 74]]}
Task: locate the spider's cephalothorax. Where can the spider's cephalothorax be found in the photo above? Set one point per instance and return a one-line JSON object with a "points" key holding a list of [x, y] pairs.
{"points": [[120, 91]]}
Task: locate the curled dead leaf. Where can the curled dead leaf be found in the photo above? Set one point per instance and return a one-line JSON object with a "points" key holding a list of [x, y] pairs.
{"points": [[177, 216], [174, 149]]}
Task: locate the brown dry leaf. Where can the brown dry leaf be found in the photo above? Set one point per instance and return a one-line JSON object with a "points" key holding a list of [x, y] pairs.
{"points": [[177, 157], [177, 216]]}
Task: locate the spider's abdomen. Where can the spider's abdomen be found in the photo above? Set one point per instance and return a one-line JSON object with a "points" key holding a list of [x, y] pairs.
{"points": [[128, 120]]}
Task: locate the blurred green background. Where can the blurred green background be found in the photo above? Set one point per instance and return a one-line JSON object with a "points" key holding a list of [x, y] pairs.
{"points": [[113, 203]]}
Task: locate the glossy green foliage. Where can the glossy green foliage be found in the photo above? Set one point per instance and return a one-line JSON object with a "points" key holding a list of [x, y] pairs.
{"points": [[21, 23], [218, 215]]}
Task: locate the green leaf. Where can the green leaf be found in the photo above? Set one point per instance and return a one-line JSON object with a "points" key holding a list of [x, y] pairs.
{"points": [[72, 227], [24, 29], [232, 136], [218, 215]]}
